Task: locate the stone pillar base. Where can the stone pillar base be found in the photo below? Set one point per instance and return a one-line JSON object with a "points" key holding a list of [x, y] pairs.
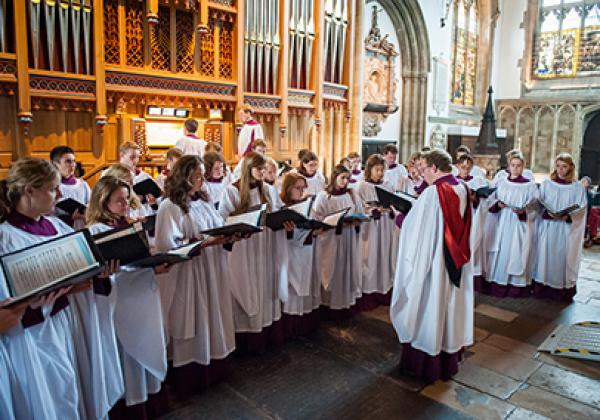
{"points": [[491, 163]]}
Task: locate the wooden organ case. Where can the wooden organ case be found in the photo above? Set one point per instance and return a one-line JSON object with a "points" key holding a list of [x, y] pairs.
{"points": [[84, 72]]}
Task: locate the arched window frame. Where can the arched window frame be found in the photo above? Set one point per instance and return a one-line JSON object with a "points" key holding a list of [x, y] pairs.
{"points": [[574, 66], [463, 87]]}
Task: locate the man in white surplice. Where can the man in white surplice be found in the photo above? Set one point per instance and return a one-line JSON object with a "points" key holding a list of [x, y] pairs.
{"points": [[432, 301], [250, 132]]}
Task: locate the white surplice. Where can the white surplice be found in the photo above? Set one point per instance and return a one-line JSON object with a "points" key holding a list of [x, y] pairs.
{"points": [[503, 174], [304, 291], [258, 268], [559, 244], [80, 191], [427, 310], [379, 242], [43, 356], [509, 240], [315, 183], [191, 145], [139, 329], [477, 242], [250, 132], [394, 175], [338, 256], [196, 297]]}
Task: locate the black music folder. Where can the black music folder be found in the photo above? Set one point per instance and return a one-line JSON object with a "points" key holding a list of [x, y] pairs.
{"points": [[147, 186], [400, 201], [69, 206], [46, 266]]}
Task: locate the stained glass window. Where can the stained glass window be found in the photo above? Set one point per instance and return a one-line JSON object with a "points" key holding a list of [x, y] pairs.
{"points": [[464, 52], [567, 40]]}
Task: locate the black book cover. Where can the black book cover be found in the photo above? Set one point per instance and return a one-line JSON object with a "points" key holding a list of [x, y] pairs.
{"points": [[69, 206], [147, 186]]}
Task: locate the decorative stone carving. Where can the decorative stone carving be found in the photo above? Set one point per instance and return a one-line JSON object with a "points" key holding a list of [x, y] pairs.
{"points": [[438, 137], [379, 78]]}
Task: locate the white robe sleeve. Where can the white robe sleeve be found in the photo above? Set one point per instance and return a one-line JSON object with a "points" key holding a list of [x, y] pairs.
{"points": [[169, 230]]}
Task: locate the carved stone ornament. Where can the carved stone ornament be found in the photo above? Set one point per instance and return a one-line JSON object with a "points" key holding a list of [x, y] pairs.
{"points": [[438, 138], [379, 78]]}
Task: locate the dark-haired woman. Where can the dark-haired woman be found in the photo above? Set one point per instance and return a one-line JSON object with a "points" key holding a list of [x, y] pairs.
{"points": [[196, 296]]}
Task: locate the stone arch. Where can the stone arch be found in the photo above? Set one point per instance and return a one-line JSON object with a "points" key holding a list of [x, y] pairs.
{"points": [[415, 56]]}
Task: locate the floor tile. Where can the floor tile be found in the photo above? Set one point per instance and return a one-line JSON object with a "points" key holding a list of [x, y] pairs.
{"points": [[497, 313], [467, 400], [511, 345], [509, 364], [486, 380], [568, 384], [552, 405]]}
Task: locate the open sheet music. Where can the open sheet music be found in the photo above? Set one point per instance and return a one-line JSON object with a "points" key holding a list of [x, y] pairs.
{"points": [[561, 212], [49, 265], [297, 214]]}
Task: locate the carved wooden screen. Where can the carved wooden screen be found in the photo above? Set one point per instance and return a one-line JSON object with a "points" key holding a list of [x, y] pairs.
{"points": [[161, 41], [112, 53], [184, 42], [134, 33]]}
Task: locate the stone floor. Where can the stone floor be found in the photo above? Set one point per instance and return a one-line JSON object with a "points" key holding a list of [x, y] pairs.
{"points": [[349, 370]]}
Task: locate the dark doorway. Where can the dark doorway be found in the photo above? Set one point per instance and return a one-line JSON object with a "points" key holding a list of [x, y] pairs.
{"points": [[590, 152]]}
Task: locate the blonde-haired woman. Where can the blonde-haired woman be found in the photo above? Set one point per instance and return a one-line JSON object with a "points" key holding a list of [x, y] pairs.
{"points": [[195, 294], [304, 292], [50, 348], [258, 265], [510, 231], [136, 302], [560, 237], [136, 208]]}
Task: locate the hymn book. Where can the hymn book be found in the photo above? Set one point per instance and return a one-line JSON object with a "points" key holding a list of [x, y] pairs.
{"points": [[243, 224], [484, 192], [400, 201], [130, 246], [560, 213], [296, 213], [69, 206], [47, 266], [147, 186]]}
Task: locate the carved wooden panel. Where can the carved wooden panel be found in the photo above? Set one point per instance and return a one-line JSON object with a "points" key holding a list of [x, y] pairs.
{"points": [[226, 51], [207, 51], [111, 32], [161, 41], [134, 32], [184, 42]]}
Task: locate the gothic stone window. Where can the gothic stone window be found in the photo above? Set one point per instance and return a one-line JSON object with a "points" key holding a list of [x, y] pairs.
{"points": [[567, 39], [464, 52]]}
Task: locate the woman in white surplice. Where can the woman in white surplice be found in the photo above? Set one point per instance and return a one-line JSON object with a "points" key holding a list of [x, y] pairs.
{"points": [[257, 266], [339, 249], [464, 164], [57, 359], [560, 237], [379, 238], [135, 300], [304, 291], [511, 234], [195, 294]]}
